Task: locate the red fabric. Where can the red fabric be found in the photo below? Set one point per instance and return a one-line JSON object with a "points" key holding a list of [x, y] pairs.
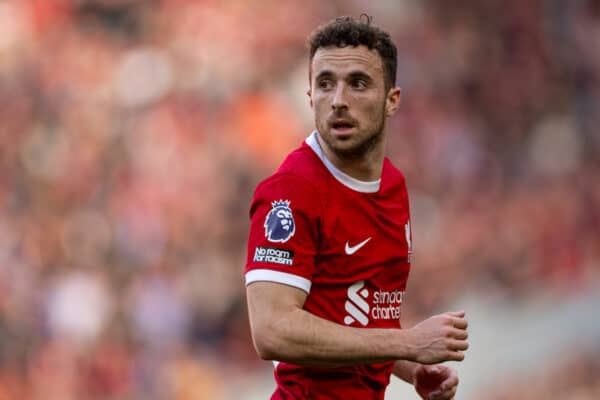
{"points": [[328, 218]]}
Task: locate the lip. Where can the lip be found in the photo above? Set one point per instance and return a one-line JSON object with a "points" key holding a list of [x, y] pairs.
{"points": [[341, 131]]}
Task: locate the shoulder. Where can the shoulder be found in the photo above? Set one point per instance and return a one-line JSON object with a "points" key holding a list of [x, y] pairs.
{"points": [[299, 180], [392, 174], [301, 171]]}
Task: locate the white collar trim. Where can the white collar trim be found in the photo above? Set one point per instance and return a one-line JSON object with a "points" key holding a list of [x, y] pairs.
{"points": [[343, 178]]}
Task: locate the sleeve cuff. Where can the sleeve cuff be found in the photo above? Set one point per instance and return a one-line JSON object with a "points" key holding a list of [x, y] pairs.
{"points": [[269, 275]]}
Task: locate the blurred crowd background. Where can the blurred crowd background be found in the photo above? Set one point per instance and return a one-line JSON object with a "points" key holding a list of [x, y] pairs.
{"points": [[133, 133]]}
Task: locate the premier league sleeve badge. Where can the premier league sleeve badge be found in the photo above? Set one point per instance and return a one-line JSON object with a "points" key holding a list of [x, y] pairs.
{"points": [[279, 224]]}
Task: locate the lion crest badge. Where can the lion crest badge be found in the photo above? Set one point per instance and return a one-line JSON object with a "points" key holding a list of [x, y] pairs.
{"points": [[279, 224]]}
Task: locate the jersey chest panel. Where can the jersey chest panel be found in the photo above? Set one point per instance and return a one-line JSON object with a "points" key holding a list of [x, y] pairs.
{"points": [[363, 259]]}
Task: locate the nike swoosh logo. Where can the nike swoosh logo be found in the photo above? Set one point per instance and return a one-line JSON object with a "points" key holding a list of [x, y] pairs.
{"points": [[353, 249]]}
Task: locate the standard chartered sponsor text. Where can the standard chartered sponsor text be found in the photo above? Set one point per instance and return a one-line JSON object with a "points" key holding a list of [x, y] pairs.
{"points": [[386, 304]]}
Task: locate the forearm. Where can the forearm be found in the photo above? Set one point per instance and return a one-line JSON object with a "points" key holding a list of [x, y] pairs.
{"points": [[302, 338], [405, 370], [282, 330]]}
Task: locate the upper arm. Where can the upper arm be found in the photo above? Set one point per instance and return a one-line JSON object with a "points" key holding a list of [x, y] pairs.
{"points": [[266, 300], [283, 236], [281, 254], [268, 304]]}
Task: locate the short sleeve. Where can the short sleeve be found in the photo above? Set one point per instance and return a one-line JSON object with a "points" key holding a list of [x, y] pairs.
{"points": [[283, 237]]}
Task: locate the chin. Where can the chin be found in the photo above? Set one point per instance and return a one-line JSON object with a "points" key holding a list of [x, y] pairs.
{"points": [[349, 148], [341, 137]]}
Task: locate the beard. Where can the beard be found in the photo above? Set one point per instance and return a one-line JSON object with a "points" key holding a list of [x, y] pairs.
{"points": [[356, 147]]}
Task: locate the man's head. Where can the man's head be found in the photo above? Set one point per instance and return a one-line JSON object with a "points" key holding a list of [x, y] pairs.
{"points": [[352, 85], [347, 31]]}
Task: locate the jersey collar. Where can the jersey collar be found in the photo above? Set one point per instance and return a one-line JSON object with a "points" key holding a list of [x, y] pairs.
{"points": [[343, 178]]}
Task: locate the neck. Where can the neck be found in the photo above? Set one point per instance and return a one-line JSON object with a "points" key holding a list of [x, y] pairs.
{"points": [[365, 166]]}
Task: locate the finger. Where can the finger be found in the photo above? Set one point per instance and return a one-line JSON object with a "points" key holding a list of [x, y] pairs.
{"points": [[459, 314], [433, 370], [458, 345], [447, 388], [449, 383], [459, 334], [443, 394], [434, 395], [455, 356], [460, 323]]}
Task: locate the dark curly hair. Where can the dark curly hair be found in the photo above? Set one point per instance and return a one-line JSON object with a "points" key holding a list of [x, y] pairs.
{"points": [[348, 31]]}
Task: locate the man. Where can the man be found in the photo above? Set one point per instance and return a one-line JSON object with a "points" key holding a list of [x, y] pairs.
{"points": [[330, 241]]}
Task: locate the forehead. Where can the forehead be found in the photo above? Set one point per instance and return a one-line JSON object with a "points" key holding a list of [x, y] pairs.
{"points": [[340, 60]]}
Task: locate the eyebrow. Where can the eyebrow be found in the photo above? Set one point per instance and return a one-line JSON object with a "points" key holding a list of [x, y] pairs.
{"points": [[360, 74], [351, 75], [324, 73]]}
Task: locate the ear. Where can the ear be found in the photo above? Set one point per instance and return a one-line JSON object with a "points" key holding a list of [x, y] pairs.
{"points": [[392, 102], [309, 94]]}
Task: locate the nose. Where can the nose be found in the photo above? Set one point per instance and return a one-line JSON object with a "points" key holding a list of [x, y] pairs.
{"points": [[339, 100]]}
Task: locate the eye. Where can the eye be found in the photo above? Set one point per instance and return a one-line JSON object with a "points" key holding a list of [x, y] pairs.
{"points": [[359, 84], [325, 84]]}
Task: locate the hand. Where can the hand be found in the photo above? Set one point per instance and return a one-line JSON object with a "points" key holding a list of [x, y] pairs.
{"points": [[435, 382], [440, 338]]}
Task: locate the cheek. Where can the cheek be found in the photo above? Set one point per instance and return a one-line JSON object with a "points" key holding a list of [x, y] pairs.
{"points": [[320, 100], [374, 111], [320, 106]]}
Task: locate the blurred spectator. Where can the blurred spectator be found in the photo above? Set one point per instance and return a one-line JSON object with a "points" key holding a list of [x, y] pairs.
{"points": [[574, 378], [134, 131]]}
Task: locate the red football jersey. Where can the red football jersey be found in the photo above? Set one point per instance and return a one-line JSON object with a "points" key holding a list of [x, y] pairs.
{"points": [[347, 244]]}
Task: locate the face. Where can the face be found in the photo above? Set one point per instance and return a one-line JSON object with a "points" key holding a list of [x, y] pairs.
{"points": [[349, 99]]}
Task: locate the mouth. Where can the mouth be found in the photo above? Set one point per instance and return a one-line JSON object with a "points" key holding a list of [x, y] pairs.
{"points": [[341, 127]]}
